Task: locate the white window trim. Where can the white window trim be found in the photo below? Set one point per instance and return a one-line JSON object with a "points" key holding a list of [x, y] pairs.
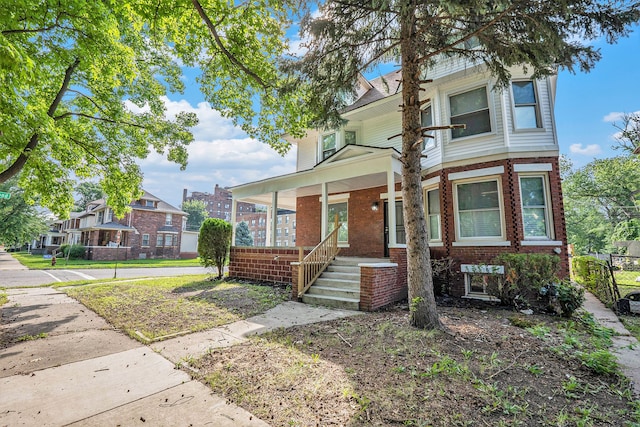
{"points": [[429, 143], [470, 269], [484, 240], [539, 122], [148, 241], [490, 106], [426, 212], [431, 182], [533, 167], [548, 214], [476, 173]]}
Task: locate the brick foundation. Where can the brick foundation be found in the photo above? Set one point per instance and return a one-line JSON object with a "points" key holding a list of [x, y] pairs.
{"points": [[263, 264]]}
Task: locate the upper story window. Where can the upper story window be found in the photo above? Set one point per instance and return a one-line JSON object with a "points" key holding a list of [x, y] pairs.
{"points": [[149, 203], [350, 137], [328, 144], [108, 215], [426, 120], [535, 207], [472, 109], [433, 214], [525, 104], [168, 219], [100, 218], [479, 209]]}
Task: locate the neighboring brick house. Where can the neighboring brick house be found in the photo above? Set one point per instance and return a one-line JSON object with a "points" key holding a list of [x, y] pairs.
{"points": [[493, 187], [151, 229]]}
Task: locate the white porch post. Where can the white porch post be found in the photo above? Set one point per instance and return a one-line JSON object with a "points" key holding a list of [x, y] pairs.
{"points": [[274, 217], [234, 210], [324, 206], [391, 207]]}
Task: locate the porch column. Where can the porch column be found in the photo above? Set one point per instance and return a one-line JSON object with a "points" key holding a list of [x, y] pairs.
{"points": [[274, 217], [324, 206], [391, 207], [234, 210]]}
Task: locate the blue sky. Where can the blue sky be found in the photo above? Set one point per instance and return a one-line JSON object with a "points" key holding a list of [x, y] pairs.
{"points": [[221, 154]]}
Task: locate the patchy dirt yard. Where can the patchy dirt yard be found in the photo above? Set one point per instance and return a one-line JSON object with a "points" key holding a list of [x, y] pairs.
{"points": [[151, 309], [492, 368]]}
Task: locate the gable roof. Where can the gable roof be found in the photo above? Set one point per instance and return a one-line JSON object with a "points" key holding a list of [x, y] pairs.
{"points": [[379, 88]]}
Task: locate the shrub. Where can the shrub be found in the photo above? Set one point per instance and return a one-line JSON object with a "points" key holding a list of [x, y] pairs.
{"points": [[524, 276], [72, 251], [214, 242], [77, 252]]}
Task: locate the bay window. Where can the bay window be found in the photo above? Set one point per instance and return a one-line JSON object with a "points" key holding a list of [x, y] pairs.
{"points": [[471, 109], [535, 207], [479, 210], [526, 111]]}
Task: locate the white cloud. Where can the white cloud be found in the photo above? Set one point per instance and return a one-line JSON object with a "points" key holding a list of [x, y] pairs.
{"points": [[220, 154], [613, 117], [589, 150]]}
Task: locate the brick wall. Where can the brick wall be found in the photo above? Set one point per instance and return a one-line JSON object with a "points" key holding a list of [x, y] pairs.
{"points": [[102, 253], [379, 286], [366, 227], [268, 264], [512, 219]]}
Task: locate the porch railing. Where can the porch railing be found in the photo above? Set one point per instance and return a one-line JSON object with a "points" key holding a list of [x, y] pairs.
{"points": [[316, 261]]}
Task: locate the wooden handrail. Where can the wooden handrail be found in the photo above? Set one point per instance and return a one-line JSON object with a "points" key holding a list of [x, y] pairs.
{"points": [[316, 261]]}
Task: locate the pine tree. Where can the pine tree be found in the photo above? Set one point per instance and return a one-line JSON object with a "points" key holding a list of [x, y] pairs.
{"points": [[243, 236]]}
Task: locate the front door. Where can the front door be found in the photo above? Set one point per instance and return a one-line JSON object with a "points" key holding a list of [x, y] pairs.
{"points": [[400, 235]]}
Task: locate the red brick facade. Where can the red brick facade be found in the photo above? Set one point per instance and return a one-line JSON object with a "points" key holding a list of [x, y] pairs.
{"points": [[149, 222], [262, 264]]}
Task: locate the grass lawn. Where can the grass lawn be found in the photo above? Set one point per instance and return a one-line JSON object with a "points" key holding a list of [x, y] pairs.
{"points": [[155, 308], [37, 262], [493, 368]]}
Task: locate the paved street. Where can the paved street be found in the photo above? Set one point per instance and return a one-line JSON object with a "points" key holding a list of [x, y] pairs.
{"points": [[13, 274]]}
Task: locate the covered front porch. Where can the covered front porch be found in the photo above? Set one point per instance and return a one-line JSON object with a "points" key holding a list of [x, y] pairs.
{"points": [[359, 187]]}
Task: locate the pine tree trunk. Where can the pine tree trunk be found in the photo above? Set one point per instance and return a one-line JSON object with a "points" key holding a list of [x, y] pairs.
{"points": [[422, 302]]}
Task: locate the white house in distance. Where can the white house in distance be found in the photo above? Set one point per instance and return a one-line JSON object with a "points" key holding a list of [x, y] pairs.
{"points": [[493, 187]]}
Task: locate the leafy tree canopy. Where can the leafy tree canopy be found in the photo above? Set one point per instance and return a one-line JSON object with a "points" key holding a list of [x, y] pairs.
{"points": [[21, 222], [87, 192], [82, 87], [197, 210], [628, 137]]}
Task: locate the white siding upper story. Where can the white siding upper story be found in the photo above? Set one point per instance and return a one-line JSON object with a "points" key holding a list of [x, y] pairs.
{"points": [[514, 121]]}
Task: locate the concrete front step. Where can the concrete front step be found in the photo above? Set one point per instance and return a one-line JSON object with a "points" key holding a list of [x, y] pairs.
{"points": [[350, 285], [334, 292], [357, 260], [341, 275], [329, 301]]}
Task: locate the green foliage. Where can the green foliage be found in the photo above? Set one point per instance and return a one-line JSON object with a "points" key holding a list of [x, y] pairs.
{"points": [[21, 222], [243, 236], [569, 298], [197, 210], [214, 242], [594, 275], [73, 251], [524, 276], [84, 87], [88, 192], [600, 203]]}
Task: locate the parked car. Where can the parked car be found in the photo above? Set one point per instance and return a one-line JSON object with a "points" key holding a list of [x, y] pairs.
{"points": [[630, 303]]}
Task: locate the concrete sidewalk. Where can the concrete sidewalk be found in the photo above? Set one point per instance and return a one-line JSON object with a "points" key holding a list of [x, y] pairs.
{"points": [[72, 368], [7, 262], [625, 345]]}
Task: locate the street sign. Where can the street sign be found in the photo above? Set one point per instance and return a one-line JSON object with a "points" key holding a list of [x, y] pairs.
{"points": [[4, 195]]}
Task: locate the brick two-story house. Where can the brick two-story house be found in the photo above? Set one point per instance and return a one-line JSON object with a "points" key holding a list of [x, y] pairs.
{"points": [[493, 187], [151, 229]]}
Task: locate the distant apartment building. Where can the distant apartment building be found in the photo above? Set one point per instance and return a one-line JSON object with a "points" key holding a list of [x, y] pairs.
{"points": [[218, 203]]}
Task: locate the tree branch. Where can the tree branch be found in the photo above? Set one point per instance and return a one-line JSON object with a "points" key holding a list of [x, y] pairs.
{"points": [[222, 47], [21, 160], [69, 114]]}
